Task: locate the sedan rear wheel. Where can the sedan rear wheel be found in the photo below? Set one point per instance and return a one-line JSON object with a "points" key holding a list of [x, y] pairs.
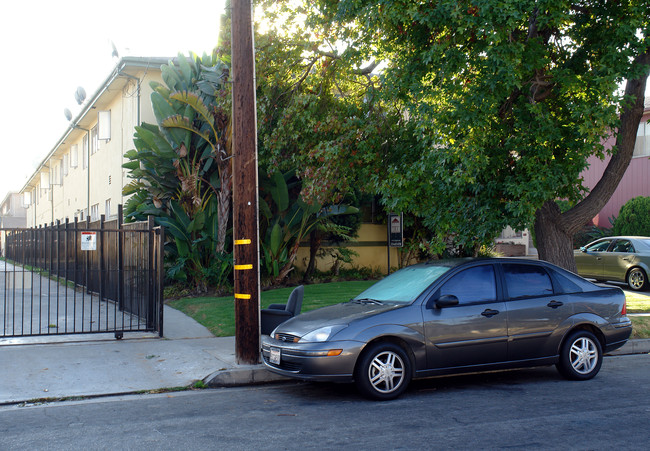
{"points": [[637, 279], [383, 372], [581, 356]]}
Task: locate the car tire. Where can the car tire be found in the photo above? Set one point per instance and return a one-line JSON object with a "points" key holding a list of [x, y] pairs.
{"points": [[581, 356], [637, 279], [383, 372]]}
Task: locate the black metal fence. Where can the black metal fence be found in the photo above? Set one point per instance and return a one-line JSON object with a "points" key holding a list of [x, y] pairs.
{"points": [[82, 277]]}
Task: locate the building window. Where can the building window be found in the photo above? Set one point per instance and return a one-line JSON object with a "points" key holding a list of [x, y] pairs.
{"points": [[65, 164], [84, 151], [94, 140], [108, 208], [74, 156], [94, 212], [642, 146]]}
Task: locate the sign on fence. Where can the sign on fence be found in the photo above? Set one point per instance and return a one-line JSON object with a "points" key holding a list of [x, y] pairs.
{"points": [[88, 241]]}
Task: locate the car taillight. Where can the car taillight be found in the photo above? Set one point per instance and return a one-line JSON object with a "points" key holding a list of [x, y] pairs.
{"points": [[624, 311]]}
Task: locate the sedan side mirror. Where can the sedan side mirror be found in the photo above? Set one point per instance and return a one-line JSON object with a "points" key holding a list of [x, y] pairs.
{"points": [[583, 248], [446, 300]]}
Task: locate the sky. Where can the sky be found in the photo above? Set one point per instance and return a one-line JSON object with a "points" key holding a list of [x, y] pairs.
{"points": [[49, 48]]}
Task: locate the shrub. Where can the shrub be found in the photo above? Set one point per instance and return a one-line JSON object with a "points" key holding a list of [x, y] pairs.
{"points": [[634, 218]]}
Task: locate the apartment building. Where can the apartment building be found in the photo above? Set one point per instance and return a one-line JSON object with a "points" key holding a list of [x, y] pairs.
{"points": [[82, 175]]}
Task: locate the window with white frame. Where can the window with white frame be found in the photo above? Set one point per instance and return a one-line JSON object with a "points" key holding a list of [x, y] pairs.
{"points": [[74, 156], [94, 212], [84, 151], [642, 146], [107, 211], [94, 140], [65, 164]]}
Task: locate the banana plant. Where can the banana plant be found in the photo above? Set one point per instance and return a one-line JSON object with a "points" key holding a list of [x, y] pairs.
{"points": [[286, 220]]}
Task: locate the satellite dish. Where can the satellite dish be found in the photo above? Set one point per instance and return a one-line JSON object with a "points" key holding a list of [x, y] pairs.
{"points": [[68, 114], [80, 95], [115, 53]]}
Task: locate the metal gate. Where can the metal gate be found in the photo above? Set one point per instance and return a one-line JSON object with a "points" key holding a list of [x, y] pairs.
{"points": [[81, 278]]}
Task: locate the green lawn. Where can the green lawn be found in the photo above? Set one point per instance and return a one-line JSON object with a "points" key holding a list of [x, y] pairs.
{"points": [[637, 302], [218, 314]]}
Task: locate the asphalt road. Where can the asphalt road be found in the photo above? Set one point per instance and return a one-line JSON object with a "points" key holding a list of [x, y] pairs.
{"points": [[524, 409]]}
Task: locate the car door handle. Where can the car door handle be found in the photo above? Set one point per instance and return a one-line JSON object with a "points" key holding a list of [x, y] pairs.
{"points": [[489, 313], [555, 304]]}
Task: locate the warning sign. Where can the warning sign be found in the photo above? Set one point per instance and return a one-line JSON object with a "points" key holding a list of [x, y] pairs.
{"points": [[395, 230], [88, 241]]}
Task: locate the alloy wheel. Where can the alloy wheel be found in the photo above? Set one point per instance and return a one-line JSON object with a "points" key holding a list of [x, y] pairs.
{"points": [[636, 279], [386, 372], [583, 355]]}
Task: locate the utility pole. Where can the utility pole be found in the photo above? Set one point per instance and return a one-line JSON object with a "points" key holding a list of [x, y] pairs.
{"points": [[245, 190]]}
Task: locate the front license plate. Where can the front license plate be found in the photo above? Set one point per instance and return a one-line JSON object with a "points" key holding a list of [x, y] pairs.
{"points": [[275, 356]]}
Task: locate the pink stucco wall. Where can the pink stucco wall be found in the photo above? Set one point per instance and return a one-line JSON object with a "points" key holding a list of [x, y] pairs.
{"points": [[636, 182]]}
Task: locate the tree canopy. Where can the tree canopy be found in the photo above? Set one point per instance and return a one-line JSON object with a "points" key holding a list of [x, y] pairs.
{"points": [[508, 100]]}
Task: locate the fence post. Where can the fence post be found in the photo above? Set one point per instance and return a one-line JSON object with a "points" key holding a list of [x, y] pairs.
{"points": [[120, 257], [102, 266], [87, 257], [150, 296], [161, 278]]}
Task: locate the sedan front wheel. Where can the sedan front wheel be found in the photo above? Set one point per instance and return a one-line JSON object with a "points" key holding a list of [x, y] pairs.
{"points": [[581, 356], [637, 279], [383, 372]]}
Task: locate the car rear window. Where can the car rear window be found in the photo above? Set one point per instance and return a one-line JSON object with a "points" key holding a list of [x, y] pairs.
{"points": [[527, 280], [572, 283], [405, 285], [645, 244]]}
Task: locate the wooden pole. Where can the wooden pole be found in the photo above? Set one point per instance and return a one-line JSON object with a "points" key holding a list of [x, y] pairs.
{"points": [[245, 188]]}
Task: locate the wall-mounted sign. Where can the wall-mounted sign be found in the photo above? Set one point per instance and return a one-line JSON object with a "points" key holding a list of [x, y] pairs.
{"points": [[88, 241], [395, 230]]}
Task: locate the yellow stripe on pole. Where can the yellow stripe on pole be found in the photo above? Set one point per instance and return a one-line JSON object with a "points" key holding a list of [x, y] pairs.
{"points": [[242, 296], [243, 267], [244, 241]]}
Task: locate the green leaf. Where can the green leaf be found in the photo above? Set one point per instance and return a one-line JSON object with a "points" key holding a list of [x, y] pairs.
{"points": [[276, 239]]}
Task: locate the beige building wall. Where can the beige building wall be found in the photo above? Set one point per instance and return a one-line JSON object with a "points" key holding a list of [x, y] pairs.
{"points": [[372, 247], [83, 175]]}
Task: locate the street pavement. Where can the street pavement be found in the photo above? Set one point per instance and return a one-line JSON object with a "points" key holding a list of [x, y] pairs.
{"points": [[62, 367]]}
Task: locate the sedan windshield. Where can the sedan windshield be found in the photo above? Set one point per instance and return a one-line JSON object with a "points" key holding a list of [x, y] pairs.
{"points": [[404, 285]]}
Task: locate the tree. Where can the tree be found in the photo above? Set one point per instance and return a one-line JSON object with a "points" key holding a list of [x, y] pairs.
{"points": [[318, 105], [508, 100]]}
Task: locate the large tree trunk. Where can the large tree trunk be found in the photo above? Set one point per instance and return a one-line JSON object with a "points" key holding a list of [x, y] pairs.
{"points": [[554, 231], [554, 244]]}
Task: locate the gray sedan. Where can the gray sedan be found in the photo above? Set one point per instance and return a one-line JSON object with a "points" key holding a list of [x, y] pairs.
{"points": [[457, 316], [617, 258]]}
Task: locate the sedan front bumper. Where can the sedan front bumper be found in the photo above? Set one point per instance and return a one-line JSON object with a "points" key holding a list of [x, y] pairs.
{"points": [[312, 361]]}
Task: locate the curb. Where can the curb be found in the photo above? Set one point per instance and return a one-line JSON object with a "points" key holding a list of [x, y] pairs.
{"points": [[639, 346], [250, 375]]}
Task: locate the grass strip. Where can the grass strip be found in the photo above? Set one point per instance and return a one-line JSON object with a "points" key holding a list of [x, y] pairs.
{"points": [[218, 313]]}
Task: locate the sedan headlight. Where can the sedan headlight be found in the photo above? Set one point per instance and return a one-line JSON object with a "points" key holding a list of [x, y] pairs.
{"points": [[321, 334]]}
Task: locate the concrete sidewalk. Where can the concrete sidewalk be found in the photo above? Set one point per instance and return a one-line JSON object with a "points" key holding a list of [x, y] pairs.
{"points": [[90, 365], [94, 365]]}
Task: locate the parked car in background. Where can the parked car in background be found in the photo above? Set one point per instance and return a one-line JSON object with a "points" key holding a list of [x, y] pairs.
{"points": [[454, 316], [617, 258]]}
